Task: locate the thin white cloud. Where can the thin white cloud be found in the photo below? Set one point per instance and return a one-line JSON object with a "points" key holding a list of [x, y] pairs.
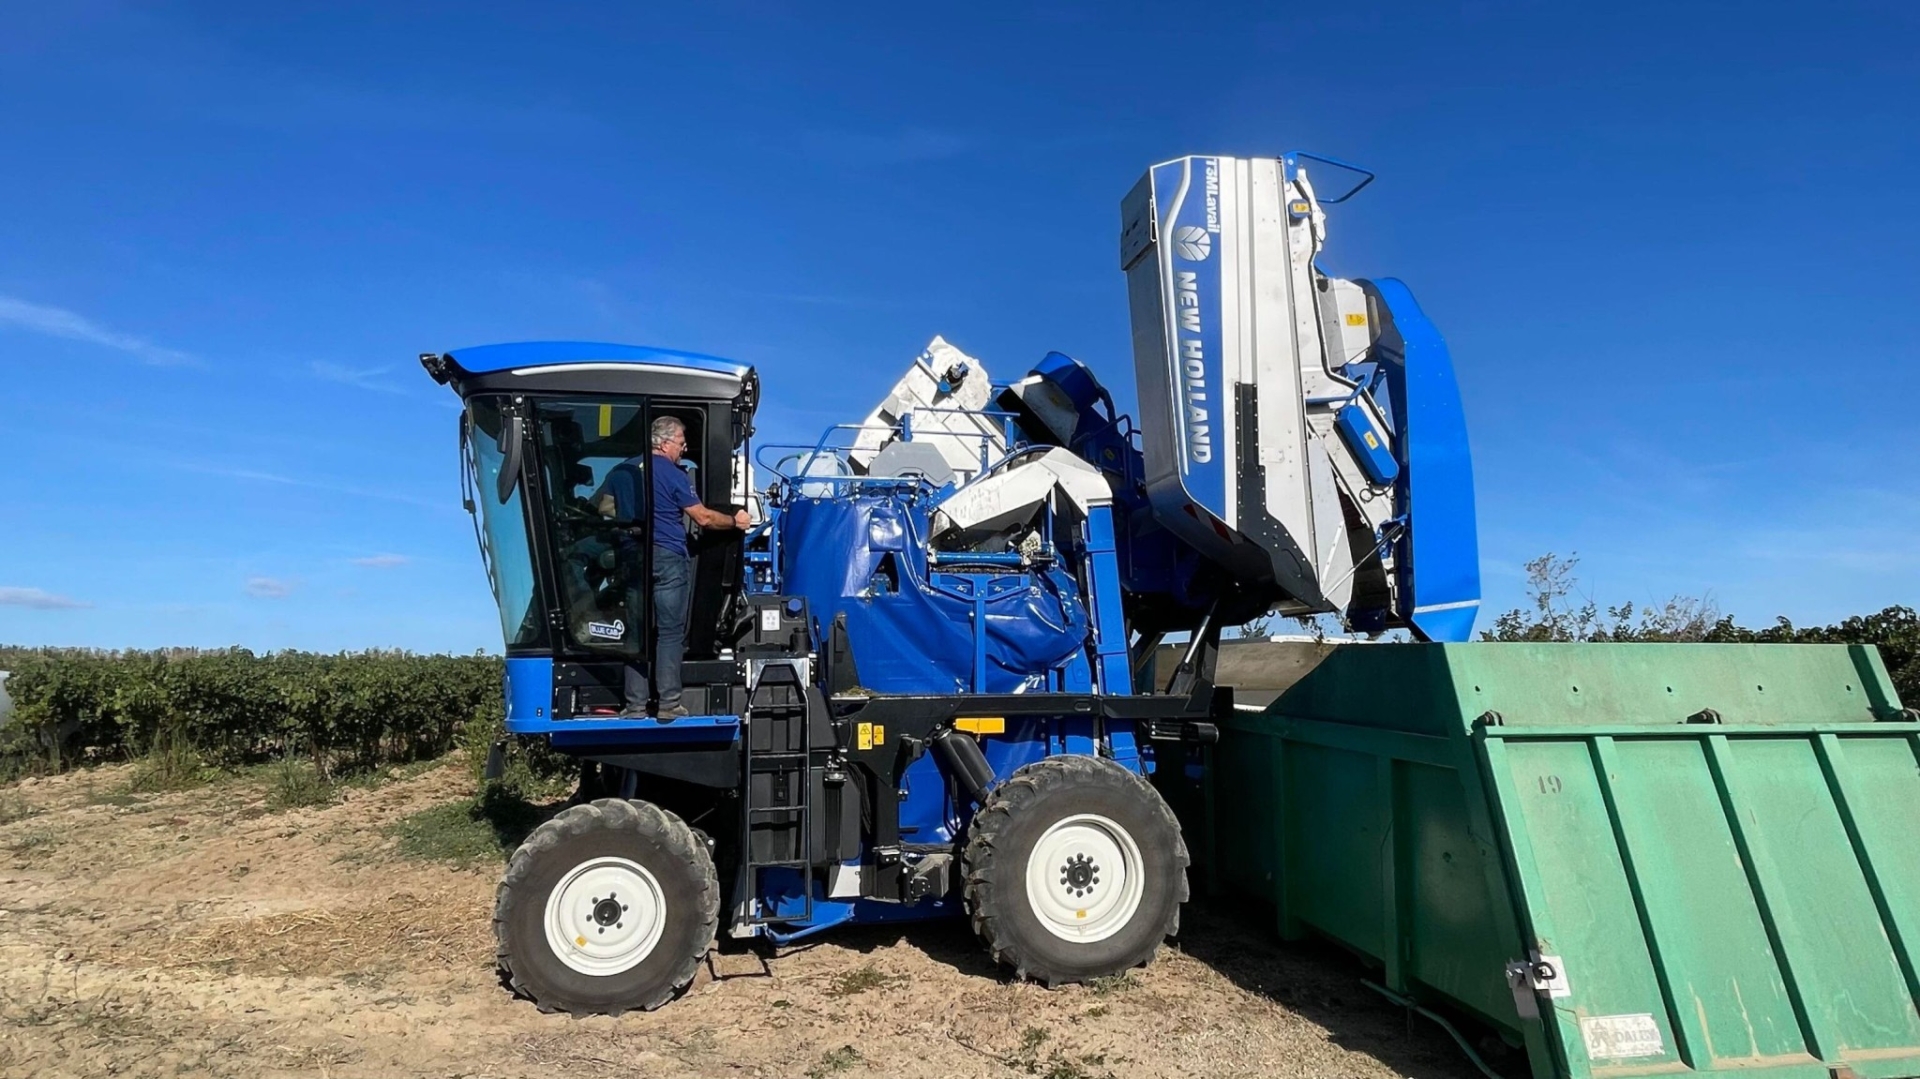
{"points": [[62, 323], [381, 561], [39, 600], [259, 476], [269, 588], [364, 378]]}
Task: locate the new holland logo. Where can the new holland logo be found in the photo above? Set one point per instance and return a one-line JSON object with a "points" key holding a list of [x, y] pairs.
{"points": [[1193, 243]]}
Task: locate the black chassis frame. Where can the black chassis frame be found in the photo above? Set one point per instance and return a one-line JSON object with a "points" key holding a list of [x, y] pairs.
{"points": [[1186, 714]]}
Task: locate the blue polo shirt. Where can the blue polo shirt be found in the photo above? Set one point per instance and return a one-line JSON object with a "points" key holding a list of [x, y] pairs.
{"points": [[672, 494]]}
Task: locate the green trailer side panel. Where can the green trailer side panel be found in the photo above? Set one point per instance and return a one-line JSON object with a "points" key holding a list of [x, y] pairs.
{"points": [[1715, 847], [1584, 912], [1724, 993], [1878, 783], [1453, 941], [1246, 851], [1439, 689], [1837, 950], [1336, 845]]}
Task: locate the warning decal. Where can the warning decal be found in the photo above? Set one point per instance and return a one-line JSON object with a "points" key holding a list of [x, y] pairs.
{"points": [[1621, 1037]]}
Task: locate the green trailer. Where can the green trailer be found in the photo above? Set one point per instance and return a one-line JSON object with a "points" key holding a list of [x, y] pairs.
{"points": [[1630, 859]]}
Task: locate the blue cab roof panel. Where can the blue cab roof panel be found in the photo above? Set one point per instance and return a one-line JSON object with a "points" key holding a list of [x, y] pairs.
{"points": [[488, 359]]}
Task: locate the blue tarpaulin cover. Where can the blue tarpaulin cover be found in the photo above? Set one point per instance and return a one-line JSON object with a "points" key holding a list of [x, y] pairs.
{"points": [[864, 555]]}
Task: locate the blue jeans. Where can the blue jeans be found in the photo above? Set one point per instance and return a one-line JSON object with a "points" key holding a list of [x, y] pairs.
{"points": [[672, 585]]}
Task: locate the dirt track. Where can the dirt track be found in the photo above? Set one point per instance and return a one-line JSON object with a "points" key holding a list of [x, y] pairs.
{"points": [[196, 934]]}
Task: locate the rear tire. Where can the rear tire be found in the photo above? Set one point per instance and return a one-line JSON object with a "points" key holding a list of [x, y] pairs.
{"points": [[1075, 869], [607, 907]]}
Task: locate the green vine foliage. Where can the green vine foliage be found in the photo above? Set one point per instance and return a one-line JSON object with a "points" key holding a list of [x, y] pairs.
{"points": [[348, 711]]}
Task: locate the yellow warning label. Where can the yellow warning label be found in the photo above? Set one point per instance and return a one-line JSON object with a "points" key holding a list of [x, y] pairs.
{"points": [[1356, 318], [879, 734], [606, 417], [863, 736], [983, 725]]}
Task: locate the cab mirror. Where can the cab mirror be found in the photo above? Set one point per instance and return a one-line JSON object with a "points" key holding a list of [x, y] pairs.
{"points": [[512, 438]]}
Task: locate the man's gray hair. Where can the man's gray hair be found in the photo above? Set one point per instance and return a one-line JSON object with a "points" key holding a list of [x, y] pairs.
{"points": [[665, 428]]}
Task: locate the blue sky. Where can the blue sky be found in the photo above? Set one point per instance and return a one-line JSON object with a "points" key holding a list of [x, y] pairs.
{"points": [[1673, 248]]}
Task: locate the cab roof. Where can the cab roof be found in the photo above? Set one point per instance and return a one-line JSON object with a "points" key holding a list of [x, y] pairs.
{"points": [[488, 359]]}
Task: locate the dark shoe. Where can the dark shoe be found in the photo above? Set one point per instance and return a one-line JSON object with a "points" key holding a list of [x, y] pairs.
{"points": [[632, 711]]}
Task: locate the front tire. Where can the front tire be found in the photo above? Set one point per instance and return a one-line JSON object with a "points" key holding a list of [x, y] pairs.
{"points": [[607, 907], [1075, 869]]}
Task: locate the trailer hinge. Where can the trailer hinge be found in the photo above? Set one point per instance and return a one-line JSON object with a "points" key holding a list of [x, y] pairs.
{"points": [[1493, 719], [1530, 977], [1704, 715]]}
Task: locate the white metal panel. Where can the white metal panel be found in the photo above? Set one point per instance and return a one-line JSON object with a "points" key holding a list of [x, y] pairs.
{"points": [[1234, 249], [962, 437], [1283, 431], [1007, 497]]}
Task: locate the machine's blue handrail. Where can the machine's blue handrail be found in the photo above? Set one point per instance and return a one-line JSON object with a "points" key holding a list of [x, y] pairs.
{"points": [[902, 429], [996, 412], [964, 558], [1292, 160]]}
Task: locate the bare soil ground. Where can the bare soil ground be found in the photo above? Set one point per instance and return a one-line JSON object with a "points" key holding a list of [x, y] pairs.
{"points": [[199, 934]]}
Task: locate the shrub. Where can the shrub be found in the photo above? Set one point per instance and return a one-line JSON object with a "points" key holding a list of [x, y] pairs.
{"points": [[351, 711]]}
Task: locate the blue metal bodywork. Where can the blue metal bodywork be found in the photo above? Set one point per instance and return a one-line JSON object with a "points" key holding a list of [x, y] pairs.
{"points": [[513, 356], [1357, 430], [920, 629], [1441, 570], [1193, 501]]}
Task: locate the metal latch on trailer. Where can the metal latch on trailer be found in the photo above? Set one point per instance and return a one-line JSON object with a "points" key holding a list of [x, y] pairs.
{"points": [[1530, 977]]}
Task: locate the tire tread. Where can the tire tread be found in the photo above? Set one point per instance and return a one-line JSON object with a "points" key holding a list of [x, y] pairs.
{"points": [[1011, 801], [607, 814]]}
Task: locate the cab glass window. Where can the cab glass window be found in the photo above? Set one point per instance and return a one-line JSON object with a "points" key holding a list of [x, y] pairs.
{"points": [[503, 526], [588, 449]]}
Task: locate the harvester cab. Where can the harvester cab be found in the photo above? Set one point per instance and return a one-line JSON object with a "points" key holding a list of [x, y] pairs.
{"points": [[920, 684], [555, 437]]}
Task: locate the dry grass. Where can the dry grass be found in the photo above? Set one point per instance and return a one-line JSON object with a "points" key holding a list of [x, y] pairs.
{"points": [[404, 928], [851, 982], [195, 933]]}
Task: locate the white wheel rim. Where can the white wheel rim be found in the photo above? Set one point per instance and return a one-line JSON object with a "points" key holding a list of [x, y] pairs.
{"points": [[1084, 878], [605, 916]]}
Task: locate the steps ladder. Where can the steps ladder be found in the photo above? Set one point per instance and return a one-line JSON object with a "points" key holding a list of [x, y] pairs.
{"points": [[787, 770]]}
